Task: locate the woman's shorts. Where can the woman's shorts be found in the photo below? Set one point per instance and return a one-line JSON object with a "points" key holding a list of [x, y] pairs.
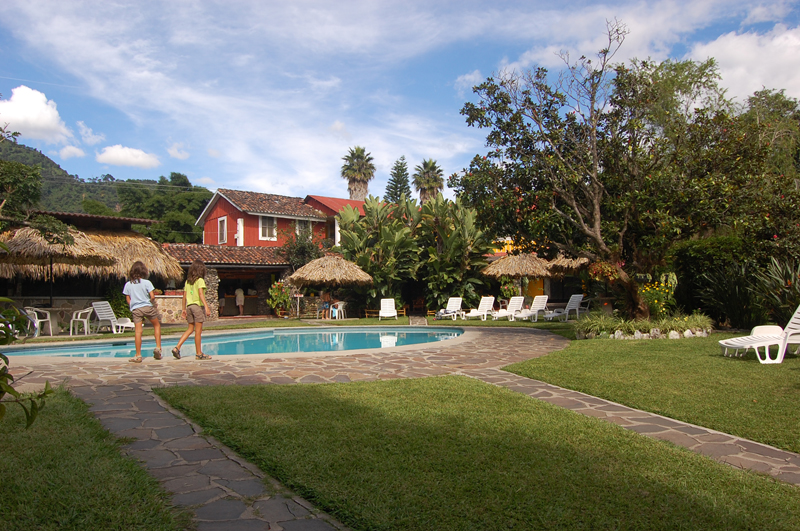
{"points": [[195, 314]]}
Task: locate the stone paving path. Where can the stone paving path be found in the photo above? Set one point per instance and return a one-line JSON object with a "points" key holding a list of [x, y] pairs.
{"points": [[228, 493]]}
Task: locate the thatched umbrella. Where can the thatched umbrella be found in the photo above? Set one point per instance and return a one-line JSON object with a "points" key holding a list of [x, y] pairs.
{"points": [[518, 266], [562, 265], [332, 271]]}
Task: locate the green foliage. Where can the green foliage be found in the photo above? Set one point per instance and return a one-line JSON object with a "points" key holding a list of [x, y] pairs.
{"points": [[692, 258], [438, 244], [727, 295], [358, 169], [659, 297], [398, 185], [174, 201], [603, 324], [300, 249], [279, 296], [118, 303], [778, 287], [11, 323], [20, 188], [97, 208], [508, 288], [428, 180]]}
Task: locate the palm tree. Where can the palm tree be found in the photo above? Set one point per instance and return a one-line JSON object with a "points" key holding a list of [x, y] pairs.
{"points": [[359, 170], [428, 180]]}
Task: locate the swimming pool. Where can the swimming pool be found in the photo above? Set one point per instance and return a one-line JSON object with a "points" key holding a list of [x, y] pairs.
{"points": [[277, 341]]}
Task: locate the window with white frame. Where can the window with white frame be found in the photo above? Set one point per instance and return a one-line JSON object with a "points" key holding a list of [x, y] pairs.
{"points": [[302, 225], [222, 230], [267, 228]]}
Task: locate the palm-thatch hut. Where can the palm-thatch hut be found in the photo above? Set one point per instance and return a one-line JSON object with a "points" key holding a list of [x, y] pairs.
{"points": [[518, 266], [333, 271]]}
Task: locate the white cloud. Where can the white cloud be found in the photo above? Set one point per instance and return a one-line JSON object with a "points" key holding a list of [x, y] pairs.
{"points": [[750, 61], [125, 156], [213, 153], [205, 181], [34, 116], [771, 12], [89, 137], [340, 131], [176, 151], [464, 83], [69, 152]]}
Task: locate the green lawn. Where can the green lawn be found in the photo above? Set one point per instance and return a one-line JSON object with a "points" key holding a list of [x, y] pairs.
{"points": [[455, 453], [561, 328], [66, 472], [686, 379]]}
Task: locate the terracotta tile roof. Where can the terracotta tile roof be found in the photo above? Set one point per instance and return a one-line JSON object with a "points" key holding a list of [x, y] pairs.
{"points": [[213, 255], [258, 203], [336, 204]]}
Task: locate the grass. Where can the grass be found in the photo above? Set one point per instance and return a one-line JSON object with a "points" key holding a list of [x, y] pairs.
{"points": [[66, 472], [685, 379], [455, 453]]}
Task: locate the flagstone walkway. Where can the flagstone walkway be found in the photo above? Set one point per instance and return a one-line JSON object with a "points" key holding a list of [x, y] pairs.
{"points": [[226, 492]]}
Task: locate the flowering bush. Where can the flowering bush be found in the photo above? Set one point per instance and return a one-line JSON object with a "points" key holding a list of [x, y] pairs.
{"points": [[603, 271], [508, 288], [279, 297], [659, 297]]}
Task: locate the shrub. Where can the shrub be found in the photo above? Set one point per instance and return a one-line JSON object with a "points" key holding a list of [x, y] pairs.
{"points": [[279, 297], [118, 303], [728, 296], [778, 285], [691, 259], [601, 324]]}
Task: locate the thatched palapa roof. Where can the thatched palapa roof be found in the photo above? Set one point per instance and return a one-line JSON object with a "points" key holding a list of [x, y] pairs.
{"points": [[530, 265], [332, 271], [95, 253]]}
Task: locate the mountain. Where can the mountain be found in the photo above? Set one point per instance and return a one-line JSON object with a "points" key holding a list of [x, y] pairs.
{"points": [[62, 192]]}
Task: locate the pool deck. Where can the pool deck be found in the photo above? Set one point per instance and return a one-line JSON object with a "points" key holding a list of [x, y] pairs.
{"points": [[226, 492]]}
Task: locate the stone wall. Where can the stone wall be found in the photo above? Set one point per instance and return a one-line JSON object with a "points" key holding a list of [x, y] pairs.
{"points": [[212, 293], [262, 289]]}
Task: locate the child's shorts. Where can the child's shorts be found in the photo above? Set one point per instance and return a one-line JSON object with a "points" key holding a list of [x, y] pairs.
{"points": [[195, 314], [150, 313]]}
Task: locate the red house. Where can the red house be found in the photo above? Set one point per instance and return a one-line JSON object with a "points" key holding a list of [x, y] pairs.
{"points": [[250, 219], [330, 206]]}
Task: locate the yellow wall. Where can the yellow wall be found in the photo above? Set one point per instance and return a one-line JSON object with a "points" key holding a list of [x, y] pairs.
{"points": [[535, 287]]}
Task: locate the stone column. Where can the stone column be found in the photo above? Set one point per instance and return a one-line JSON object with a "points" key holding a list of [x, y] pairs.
{"points": [[212, 293], [262, 292]]}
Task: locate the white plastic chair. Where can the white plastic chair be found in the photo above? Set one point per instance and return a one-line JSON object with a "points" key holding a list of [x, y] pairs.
{"points": [[539, 304], [40, 318], [484, 308], [757, 339], [340, 311], [574, 304], [107, 317], [453, 309], [81, 317], [387, 309], [514, 305]]}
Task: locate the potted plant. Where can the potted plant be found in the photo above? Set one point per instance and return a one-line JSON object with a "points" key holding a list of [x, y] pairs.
{"points": [[279, 298]]}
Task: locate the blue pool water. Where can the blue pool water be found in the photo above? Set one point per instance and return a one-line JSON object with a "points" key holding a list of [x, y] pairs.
{"points": [[279, 341]]}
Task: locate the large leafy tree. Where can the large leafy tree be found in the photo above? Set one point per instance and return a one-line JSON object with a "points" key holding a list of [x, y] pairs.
{"points": [[428, 180], [358, 170], [398, 184], [608, 161], [174, 201]]}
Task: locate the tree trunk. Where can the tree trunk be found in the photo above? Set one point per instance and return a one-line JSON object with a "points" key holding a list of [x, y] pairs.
{"points": [[635, 306]]}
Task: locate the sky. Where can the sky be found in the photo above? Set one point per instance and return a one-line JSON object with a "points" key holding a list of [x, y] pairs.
{"points": [[268, 96]]}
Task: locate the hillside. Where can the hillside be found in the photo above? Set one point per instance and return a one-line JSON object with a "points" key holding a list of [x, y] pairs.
{"points": [[61, 192]]}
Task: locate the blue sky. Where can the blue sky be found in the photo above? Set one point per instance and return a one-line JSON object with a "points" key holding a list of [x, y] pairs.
{"points": [[268, 96]]}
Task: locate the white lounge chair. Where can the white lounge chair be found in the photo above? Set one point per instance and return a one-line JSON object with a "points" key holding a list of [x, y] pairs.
{"points": [[387, 309], [574, 304], [453, 309], [514, 306], [338, 307], [756, 340], [483, 309], [539, 305], [78, 318], [39, 318], [107, 317]]}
